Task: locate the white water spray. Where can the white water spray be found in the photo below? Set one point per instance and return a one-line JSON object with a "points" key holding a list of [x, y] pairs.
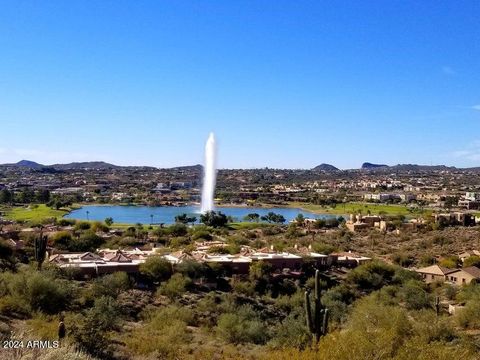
{"points": [[209, 174]]}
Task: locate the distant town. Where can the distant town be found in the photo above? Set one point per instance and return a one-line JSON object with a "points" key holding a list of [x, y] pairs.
{"points": [[412, 230]]}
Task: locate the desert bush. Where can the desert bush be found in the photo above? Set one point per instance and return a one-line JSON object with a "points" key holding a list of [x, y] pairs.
{"points": [[372, 276], [243, 326], [374, 331], [450, 262], [175, 286], [472, 261], [110, 285], [156, 268], [66, 222], [46, 294], [469, 316], [291, 332], [243, 287], [166, 331], [43, 326], [415, 296], [62, 239], [402, 259], [82, 225], [178, 242], [98, 226]]}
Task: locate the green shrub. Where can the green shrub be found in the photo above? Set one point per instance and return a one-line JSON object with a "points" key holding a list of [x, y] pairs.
{"points": [[82, 225], [472, 261], [166, 331], [175, 286], [202, 234], [29, 290], [243, 287], [46, 294], [110, 285], [177, 229], [243, 326], [62, 239], [66, 222], [14, 306], [415, 296], [156, 268], [90, 332], [469, 316], [98, 226], [372, 276], [291, 332]]}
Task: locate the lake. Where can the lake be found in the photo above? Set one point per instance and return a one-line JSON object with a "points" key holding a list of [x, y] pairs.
{"points": [[166, 214]]}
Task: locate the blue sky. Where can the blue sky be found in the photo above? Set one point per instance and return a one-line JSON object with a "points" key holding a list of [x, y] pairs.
{"points": [[287, 84]]}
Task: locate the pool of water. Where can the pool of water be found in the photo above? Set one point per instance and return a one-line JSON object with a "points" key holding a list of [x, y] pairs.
{"points": [[166, 214]]}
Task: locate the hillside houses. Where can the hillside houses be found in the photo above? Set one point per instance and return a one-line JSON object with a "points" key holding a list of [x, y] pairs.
{"points": [[108, 260], [437, 273]]}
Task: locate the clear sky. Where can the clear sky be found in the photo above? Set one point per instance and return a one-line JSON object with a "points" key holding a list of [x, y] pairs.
{"points": [[282, 83]]}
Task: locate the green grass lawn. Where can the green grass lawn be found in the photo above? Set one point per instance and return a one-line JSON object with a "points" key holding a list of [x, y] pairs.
{"points": [[353, 208], [34, 214]]}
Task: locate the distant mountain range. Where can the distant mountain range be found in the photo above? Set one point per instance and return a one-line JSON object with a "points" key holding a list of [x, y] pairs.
{"points": [[101, 165], [400, 167], [409, 167], [96, 165]]}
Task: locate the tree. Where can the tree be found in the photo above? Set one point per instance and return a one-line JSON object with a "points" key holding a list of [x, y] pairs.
{"points": [[300, 219], [214, 219], [6, 196], [271, 217], [451, 201], [319, 224], [43, 196], [185, 219], [252, 217], [109, 221]]}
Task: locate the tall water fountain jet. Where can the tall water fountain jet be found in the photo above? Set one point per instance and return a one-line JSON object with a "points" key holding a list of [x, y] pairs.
{"points": [[209, 174]]}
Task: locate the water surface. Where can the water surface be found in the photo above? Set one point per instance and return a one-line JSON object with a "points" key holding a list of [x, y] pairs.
{"points": [[166, 214]]}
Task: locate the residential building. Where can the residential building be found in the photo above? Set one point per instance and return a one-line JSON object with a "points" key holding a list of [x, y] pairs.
{"points": [[434, 273], [463, 276]]}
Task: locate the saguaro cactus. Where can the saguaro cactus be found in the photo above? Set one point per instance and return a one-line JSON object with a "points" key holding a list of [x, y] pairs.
{"points": [[317, 321], [40, 250], [437, 305]]}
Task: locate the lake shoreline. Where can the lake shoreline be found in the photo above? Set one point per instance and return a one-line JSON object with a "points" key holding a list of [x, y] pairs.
{"points": [[135, 213]]}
